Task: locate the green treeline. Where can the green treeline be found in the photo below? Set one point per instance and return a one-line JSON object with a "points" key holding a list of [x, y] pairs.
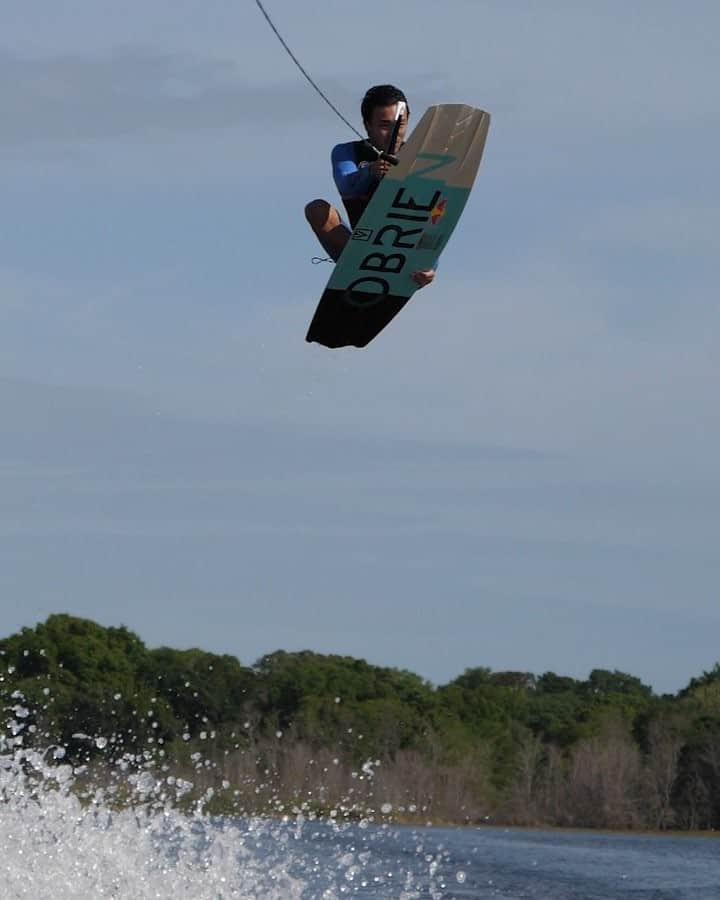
{"points": [[332, 731]]}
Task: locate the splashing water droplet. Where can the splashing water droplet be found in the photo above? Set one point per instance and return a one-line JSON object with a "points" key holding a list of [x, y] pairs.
{"points": [[145, 783]]}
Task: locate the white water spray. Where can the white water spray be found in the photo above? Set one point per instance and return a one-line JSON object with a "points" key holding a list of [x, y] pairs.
{"points": [[65, 838]]}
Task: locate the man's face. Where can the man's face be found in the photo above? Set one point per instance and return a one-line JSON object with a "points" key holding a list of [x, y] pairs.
{"points": [[381, 124]]}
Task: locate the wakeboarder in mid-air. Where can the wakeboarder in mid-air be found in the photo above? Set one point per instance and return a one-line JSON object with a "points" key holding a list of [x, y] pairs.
{"points": [[402, 199], [358, 168]]}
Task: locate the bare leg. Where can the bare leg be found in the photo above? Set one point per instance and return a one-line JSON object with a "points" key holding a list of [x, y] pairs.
{"points": [[325, 221]]}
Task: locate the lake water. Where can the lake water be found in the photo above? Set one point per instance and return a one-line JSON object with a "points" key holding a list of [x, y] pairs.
{"points": [[467, 863], [51, 847]]}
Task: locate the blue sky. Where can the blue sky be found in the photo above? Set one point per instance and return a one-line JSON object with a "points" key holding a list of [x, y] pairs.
{"points": [[520, 472]]}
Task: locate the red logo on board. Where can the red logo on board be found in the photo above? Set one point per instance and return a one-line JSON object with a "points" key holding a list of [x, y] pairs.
{"points": [[438, 211]]}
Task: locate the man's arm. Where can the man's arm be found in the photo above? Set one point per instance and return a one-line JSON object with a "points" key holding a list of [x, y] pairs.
{"points": [[350, 179]]}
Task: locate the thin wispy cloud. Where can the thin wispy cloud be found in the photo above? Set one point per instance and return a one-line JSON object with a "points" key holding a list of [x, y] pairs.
{"points": [[133, 92]]}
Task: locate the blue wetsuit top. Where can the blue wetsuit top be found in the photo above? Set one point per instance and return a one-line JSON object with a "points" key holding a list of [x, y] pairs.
{"points": [[355, 182]]}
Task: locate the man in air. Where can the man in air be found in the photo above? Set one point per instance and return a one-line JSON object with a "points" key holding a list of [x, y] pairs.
{"points": [[357, 172]]}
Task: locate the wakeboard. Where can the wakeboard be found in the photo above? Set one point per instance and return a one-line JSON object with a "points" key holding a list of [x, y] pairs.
{"points": [[404, 228]]}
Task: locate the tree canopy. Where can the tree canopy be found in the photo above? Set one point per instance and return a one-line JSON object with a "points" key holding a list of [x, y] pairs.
{"points": [[78, 677]]}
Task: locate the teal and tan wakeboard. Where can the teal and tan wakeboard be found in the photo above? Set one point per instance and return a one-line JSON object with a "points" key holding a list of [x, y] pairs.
{"points": [[404, 228]]}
